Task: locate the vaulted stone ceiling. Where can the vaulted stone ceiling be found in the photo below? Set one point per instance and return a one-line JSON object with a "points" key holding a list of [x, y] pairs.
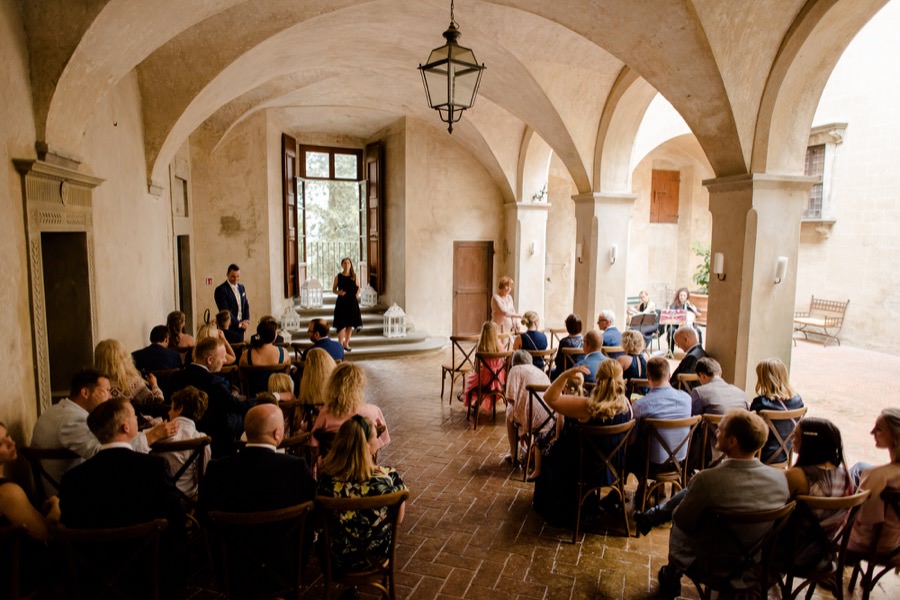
{"points": [[348, 67]]}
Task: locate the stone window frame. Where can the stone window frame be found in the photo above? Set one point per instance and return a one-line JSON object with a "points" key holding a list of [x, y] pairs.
{"points": [[829, 136]]}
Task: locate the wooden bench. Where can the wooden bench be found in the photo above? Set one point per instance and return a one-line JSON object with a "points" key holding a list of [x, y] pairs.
{"points": [[824, 317]]}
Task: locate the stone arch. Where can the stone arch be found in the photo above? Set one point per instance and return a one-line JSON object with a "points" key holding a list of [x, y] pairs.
{"points": [[533, 167], [809, 52]]}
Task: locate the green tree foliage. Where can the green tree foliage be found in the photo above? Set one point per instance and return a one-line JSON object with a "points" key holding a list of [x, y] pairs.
{"points": [[701, 274]]}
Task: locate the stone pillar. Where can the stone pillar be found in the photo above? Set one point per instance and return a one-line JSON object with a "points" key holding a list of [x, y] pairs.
{"points": [[755, 220], [526, 227], [602, 221]]}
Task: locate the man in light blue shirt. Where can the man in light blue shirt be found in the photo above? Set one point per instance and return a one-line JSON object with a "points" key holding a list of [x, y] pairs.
{"points": [[661, 402], [611, 335], [593, 355]]}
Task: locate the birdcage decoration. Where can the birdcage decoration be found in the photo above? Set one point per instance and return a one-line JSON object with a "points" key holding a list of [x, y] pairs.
{"points": [[368, 296], [311, 294], [290, 320], [394, 322]]}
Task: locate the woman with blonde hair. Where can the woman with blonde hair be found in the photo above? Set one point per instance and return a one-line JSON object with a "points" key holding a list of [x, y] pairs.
{"points": [[111, 359], [556, 485], [503, 307], [317, 368], [532, 338], [348, 471], [633, 362], [489, 342], [345, 397], [774, 392], [179, 341], [212, 330]]}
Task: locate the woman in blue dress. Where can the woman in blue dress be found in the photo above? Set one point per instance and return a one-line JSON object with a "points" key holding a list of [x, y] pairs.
{"points": [[346, 308], [531, 338], [775, 393]]}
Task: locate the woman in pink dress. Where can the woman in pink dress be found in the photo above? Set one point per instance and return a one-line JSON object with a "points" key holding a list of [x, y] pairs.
{"points": [[503, 309], [344, 398], [482, 378]]}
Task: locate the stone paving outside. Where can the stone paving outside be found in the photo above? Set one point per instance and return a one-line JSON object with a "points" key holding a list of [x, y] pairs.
{"points": [[470, 531]]}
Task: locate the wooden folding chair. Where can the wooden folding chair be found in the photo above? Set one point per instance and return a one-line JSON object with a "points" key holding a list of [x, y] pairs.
{"points": [[612, 351], [636, 386], [545, 355], [571, 356], [380, 572], [673, 470], [121, 562], [535, 395], [259, 553], [710, 457], [687, 381], [462, 361], [750, 557], [554, 335], [597, 457], [875, 560], [255, 378], [194, 466], [782, 424], [829, 567], [35, 458], [495, 384]]}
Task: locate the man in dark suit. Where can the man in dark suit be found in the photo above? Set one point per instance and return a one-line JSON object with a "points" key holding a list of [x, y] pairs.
{"points": [[223, 420], [232, 296], [318, 335], [157, 356], [686, 339], [257, 478]]}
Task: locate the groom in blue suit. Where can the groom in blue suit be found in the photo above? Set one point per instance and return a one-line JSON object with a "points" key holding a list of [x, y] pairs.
{"points": [[232, 296]]}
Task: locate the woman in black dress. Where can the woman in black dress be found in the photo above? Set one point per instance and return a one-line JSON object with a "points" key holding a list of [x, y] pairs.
{"points": [[346, 308]]}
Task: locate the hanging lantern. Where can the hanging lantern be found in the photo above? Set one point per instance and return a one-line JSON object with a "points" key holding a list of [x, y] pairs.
{"points": [[451, 77]]}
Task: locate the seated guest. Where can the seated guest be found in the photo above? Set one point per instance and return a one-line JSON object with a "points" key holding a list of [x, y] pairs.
{"points": [[531, 338], [262, 351], [317, 368], [223, 320], [646, 305], [682, 301], [318, 334], [223, 420], [211, 330], [257, 478], [349, 472], [633, 362], [662, 401], [188, 407], [345, 397], [775, 393], [522, 374], [126, 382], [611, 335], [874, 514], [157, 356], [739, 483], [15, 508], [270, 321], [686, 339], [573, 340], [489, 341], [179, 340], [714, 396], [64, 425], [555, 487], [593, 355]]}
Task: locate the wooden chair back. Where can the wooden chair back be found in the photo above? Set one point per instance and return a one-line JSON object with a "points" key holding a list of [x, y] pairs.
{"points": [[164, 379], [782, 424], [687, 381], [546, 356], [751, 556], [601, 455], [829, 551], [673, 469], [535, 396], [39, 474], [197, 457], [255, 378], [710, 457], [296, 444], [462, 360], [554, 335], [878, 564], [612, 351], [11, 538], [104, 563], [571, 356], [380, 573], [257, 553], [495, 385], [636, 386]]}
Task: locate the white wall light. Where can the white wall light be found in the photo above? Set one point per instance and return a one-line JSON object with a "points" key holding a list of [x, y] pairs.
{"points": [[718, 266], [613, 251], [781, 264]]}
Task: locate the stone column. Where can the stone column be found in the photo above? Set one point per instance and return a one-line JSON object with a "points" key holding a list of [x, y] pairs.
{"points": [[755, 220], [602, 221], [526, 228]]}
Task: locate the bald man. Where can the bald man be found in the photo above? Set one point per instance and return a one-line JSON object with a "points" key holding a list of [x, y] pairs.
{"points": [[686, 339], [257, 478]]}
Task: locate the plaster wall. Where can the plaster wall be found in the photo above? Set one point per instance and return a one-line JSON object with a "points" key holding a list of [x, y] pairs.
{"points": [[132, 228], [18, 408], [231, 208], [275, 217], [394, 225], [449, 197], [559, 284], [855, 260]]}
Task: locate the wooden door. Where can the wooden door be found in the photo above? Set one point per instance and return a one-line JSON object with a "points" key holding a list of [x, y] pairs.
{"points": [[472, 286], [664, 188], [289, 201], [375, 214]]}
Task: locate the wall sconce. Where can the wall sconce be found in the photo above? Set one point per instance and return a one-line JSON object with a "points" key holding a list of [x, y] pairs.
{"points": [[579, 252], [781, 264], [613, 251], [531, 249], [718, 266]]}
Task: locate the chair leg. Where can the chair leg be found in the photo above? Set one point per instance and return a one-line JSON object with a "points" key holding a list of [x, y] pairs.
{"points": [[443, 380]]}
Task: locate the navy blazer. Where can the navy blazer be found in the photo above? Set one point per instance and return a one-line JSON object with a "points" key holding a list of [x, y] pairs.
{"points": [[156, 358], [225, 300], [688, 364], [224, 417]]}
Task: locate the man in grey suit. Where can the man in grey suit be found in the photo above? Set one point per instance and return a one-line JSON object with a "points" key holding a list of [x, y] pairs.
{"points": [[714, 396]]}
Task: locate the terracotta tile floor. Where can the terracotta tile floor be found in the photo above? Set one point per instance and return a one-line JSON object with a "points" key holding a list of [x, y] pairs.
{"points": [[470, 531]]}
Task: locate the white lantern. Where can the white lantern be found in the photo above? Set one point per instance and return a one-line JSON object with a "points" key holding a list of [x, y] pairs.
{"points": [[368, 296], [394, 322], [311, 294], [290, 320]]}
